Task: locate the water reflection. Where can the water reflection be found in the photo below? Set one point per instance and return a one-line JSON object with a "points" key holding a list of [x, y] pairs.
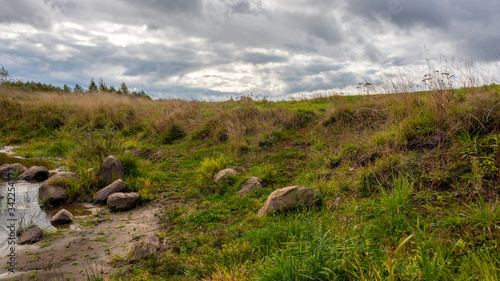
{"points": [[8, 159], [28, 210], [27, 207]]}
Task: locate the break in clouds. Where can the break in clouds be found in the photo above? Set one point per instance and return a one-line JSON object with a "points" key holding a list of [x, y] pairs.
{"points": [[214, 49]]}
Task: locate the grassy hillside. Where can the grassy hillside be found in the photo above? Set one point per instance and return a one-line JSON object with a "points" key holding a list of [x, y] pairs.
{"points": [[417, 174]]}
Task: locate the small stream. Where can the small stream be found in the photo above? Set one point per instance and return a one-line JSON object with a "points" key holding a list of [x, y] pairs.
{"points": [[26, 204]]}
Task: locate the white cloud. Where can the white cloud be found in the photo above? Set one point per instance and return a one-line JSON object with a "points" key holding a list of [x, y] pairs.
{"points": [[218, 48]]}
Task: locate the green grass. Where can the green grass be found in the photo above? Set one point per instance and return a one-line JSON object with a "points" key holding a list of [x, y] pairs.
{"points": [[418, 180]]}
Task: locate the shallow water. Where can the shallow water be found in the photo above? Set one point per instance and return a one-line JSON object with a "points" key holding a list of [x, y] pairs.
{"points": [[6, 158], [27, 208]]}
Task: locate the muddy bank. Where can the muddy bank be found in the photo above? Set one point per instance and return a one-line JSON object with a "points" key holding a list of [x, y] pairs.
{"points": [[92, 242]]}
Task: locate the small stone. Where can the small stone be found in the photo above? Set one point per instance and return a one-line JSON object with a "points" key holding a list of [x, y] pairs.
{"points": [[32, 235], [134, 152], [252, 183], [146, 246], [123, 201], [156, 155], [116, 186], [35, 173], [335, 204], [62, 217], [225, 173]]}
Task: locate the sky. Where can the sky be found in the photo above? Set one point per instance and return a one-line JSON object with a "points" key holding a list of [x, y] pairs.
{"points": [[217, 49]]}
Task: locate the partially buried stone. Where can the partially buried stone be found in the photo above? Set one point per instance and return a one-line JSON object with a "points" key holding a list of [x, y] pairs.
{"points": [[32, 235], [112, 169], [146, 246], [225, 173], [252, 183], [123, 201], [288, 198]]}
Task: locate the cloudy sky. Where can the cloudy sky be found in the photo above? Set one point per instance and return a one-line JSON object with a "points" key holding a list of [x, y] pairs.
{"points": [[212, 49]]}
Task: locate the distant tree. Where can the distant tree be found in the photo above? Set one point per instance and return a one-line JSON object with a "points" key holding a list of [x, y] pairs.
{"points": [[66, 88], [4, 75], [144, 95], [78, 89], [124, 89], [112, 89], [102, 85], [93, 86]]}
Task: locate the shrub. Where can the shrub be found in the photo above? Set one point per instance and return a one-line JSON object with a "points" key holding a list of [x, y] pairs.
{"points": [[174, 132]]}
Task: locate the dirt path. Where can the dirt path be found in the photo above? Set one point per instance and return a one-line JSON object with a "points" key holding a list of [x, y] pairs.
{"points": [[85, 250]]}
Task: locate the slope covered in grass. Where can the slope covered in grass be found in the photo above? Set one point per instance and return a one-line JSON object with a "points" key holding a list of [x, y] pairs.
{"points": [[417, 174]]}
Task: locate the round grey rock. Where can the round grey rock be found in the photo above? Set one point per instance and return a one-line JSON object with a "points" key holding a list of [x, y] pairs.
{"points": [[225, 173]]}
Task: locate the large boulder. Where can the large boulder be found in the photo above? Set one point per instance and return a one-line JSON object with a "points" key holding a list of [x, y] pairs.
{"points": [[116, 186], [252, 183], [52, 194], [18, 169], [225, 173], [146, 246], [62, 217], [32, 235], [53, 190], [111, 169], [288, 198], [123, 201], [35, 173]]}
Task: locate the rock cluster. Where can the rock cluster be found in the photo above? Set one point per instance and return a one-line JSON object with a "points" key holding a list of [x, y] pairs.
{"points": [[279, 200], [112, 194]]}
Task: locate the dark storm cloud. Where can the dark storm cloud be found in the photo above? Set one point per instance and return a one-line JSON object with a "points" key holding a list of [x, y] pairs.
{"points": [[25, 11], [261, 58], [191, 7], [209, 48]]}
